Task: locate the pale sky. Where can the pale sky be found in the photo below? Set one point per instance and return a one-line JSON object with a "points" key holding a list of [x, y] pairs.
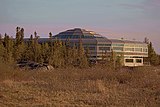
{"points": [[130, 19]]}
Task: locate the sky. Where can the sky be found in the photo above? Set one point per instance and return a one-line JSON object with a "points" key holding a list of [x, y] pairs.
{"points": [[128, 19]]}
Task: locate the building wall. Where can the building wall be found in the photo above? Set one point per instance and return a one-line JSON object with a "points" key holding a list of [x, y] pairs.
{"points": [[131, 51], [135, 52], [100, 46]]}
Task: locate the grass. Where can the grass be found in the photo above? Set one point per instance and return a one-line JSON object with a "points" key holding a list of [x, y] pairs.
{"points": [[96, 86]]}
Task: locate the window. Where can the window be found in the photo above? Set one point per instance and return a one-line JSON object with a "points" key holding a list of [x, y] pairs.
{"points": [[138, 49], [88, 36], [129, 60], [117, 44], [89, 44], [62, 37], [138, 60], [90, 48], [104, 48], [145, 50], [129, 49], [129, 45], [118, 48], [104, 44]]}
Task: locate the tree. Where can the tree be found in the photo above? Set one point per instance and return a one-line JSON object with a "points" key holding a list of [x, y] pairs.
{"points": [[146, 40], [36, 49], [159, 59], [19, 35], [88, 54], [1, 42], [51, 41], [2, 49], [45, 52], [113, 60], [152, 56], [8, 51], [30, 49], [82, 59], [119, 61], [50, 54], [74, 55], [57, 57], [19, 46], [68, 53]]}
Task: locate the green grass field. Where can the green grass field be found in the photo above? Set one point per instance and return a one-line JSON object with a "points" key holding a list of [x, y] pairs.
{"points": [[96, 86]]}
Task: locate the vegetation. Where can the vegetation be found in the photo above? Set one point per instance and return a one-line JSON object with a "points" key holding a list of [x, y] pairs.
{"points": [[75, 82], [80, 87], [55, 53], [153, 57]]}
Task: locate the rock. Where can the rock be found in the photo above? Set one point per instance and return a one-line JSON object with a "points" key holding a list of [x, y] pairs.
{"points": [[34, 66], [49, 67], [42, 68]]}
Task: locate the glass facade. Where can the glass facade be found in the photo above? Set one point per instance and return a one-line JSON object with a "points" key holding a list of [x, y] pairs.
{"points": [[104, 48], [138, 49], [101, 46], [89, 44], [129, 49], [90, 48], [138, 60], [117, 44], [118, 48], [129, 60], [104, 44]]}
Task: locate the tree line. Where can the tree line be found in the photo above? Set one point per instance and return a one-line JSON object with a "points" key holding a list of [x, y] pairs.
{"points": [[56, 53]]}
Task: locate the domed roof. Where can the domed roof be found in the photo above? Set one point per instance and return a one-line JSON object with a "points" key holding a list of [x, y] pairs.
{"points": [[77, 33], [86, 36]]}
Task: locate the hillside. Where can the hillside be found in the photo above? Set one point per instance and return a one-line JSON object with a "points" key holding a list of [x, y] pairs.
{"points": [[96, 86]]}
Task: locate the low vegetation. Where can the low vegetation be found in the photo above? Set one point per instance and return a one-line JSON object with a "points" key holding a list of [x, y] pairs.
{"points": [[70, 79], [95, 86]]}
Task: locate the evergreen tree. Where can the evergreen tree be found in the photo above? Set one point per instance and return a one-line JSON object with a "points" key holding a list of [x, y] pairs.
{"points": [[2, 49], [82, 59], [36, 49], [146, 40], [152, 56], [8, 51], [88, 54], [68, 53], [29, 52], [74, 55], [119, 61], [1, 40], [18, 36], [19, 46], [50, 54], [159, 59], [112, 63], [21, 35], [45, 52], [57, 59]]}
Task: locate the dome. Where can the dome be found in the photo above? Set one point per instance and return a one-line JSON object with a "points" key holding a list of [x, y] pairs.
{"points": [[77, 33]]}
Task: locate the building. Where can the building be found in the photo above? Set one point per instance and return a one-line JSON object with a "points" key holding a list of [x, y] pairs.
{"points": [[132, 51], [101, 47]]}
